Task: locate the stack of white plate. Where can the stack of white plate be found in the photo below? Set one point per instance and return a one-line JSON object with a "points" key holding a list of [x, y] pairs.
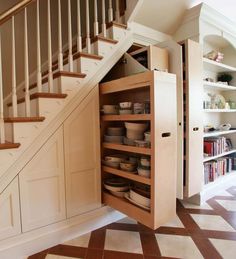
{"points": [[117, 186], [138, 198]]}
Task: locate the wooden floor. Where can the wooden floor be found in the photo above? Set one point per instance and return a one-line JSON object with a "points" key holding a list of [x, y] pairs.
{"points": [[207, 231]]}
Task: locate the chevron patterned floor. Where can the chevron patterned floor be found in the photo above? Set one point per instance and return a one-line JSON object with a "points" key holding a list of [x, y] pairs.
{"points": [[207, 231]]}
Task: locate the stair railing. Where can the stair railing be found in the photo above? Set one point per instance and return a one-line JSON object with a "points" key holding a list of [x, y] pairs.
{"points": [[79, 39]]}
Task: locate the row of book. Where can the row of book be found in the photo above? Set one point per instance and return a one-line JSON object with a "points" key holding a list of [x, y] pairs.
{"points": [[217, 168], [216, 145]]}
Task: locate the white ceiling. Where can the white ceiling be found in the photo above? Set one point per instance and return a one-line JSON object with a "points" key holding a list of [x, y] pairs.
{"points": [[165, 16]]}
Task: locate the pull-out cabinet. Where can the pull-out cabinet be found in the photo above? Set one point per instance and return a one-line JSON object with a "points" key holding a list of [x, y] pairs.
{"points": [[160, 90]]}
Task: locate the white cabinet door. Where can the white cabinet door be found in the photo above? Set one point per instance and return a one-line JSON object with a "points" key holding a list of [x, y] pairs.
{"points": [[176, 67], [194, 118], [42, 186], [82, 157], [10, 211]]}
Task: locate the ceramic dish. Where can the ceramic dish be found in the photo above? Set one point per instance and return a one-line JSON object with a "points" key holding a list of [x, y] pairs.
{"points": [[126, 111], [125, 105], [115, 131], [116, 182], [145, 161], [134, 135], [116, 158], [129, 142], [140, 199], [110, 109], [112, 164], [114, 139], [116, 189], [147, 136], [144, 172], [128, 166], [141, 143], [136, 126], [118, 194], [127, 196]]}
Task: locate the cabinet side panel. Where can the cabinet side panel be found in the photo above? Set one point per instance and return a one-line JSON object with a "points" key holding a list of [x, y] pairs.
{"points": [[82, 157], [194, 119], [165, 137]]}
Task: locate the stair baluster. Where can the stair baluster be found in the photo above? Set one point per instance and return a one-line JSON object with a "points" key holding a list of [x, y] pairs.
{"points": [[2, 129], [104, 29], [60, 54], [39, 71], [14, 96], [88, 40], [26, 52], [50, 76], [96, 31], [79, 38], [110, 12], [117, 10], [70, 54]]}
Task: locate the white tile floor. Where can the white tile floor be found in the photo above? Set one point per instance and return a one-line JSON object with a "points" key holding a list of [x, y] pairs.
{"points": [[81, 241], [228, 205], [50, 256], [226, 248], [176, 223], [212, 222], [178, 246], [188, 205], [123, 241]]}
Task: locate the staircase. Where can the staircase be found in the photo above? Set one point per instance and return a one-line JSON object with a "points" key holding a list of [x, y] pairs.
{"points": [[34, 108]]}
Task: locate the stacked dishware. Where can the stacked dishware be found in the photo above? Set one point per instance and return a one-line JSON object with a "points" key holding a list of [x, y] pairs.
{"points": [[144, 168], [139, 108], [110, 109], [114, 160], [117, 186], [147, 137], [125, 108], [114, 135]]}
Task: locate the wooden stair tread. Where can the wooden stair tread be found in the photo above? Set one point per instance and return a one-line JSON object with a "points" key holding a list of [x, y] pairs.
{"points": [[116, 24], [23, 119], [41, 95], [87, 55], [9, 145], [105, 39]]}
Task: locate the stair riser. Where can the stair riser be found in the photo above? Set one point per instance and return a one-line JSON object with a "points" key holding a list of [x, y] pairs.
{"points": [[45, 87], [116, 33], [102, 48], [21, 109], [87, 65], [69, 85]]}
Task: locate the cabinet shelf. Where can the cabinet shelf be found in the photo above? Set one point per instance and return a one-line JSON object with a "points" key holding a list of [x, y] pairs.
{"points": [[128, 208], [138, 150], [127, 175], [128, 117], [218, 86], [218, 133], [217, 67], [206, 159], [219, 110]]}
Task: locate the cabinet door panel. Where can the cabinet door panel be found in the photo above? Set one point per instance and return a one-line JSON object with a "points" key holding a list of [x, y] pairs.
{"points": [[194, 121], [10, 211], [42, 186], [82, 157], [176, 67]]}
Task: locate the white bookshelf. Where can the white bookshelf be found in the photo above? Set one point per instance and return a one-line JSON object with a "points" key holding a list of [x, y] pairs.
{"points": [[218, 133], [218, 86], [219, 110], [206, 159], [217, 67], [220, 179]]}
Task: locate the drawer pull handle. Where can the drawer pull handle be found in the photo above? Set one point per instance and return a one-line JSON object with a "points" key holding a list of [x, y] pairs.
{"points": [[166, 135], [195, 129]]}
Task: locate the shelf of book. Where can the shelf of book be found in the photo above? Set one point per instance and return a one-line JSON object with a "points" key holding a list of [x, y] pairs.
{"points": [[218, 86], [219, 110], [225, 177], [218, 133], [206, 159]]}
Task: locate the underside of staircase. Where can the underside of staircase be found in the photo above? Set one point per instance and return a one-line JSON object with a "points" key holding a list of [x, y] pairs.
{"points": [[27, 132]]}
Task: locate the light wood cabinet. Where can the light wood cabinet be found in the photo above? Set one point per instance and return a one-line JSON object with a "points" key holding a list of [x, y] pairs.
{"points": [[42, 186], [193, 114], [82, 157], [10, 224], [160, 89]]}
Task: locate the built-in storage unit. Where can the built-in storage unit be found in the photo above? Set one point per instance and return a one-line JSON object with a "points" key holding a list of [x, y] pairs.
{"points": [[158, 89]]}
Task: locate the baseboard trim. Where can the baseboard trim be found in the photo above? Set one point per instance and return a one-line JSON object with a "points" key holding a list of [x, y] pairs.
{"points": [[24, 245]]}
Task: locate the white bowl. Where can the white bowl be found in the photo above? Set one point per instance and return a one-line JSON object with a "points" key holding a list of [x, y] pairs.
{"points": [[128, 166], [115, 131], [116, 188], [118, 194], [110, 109], [134, 135], [114, 139], [140, 199], [144, 172], [145, 161], [112, 164], [116, 158], [141, 143], [136, 126], [124, 105]]}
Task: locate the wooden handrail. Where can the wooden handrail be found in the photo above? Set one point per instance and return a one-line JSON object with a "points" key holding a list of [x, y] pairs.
{"points": [[5, 16]]}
